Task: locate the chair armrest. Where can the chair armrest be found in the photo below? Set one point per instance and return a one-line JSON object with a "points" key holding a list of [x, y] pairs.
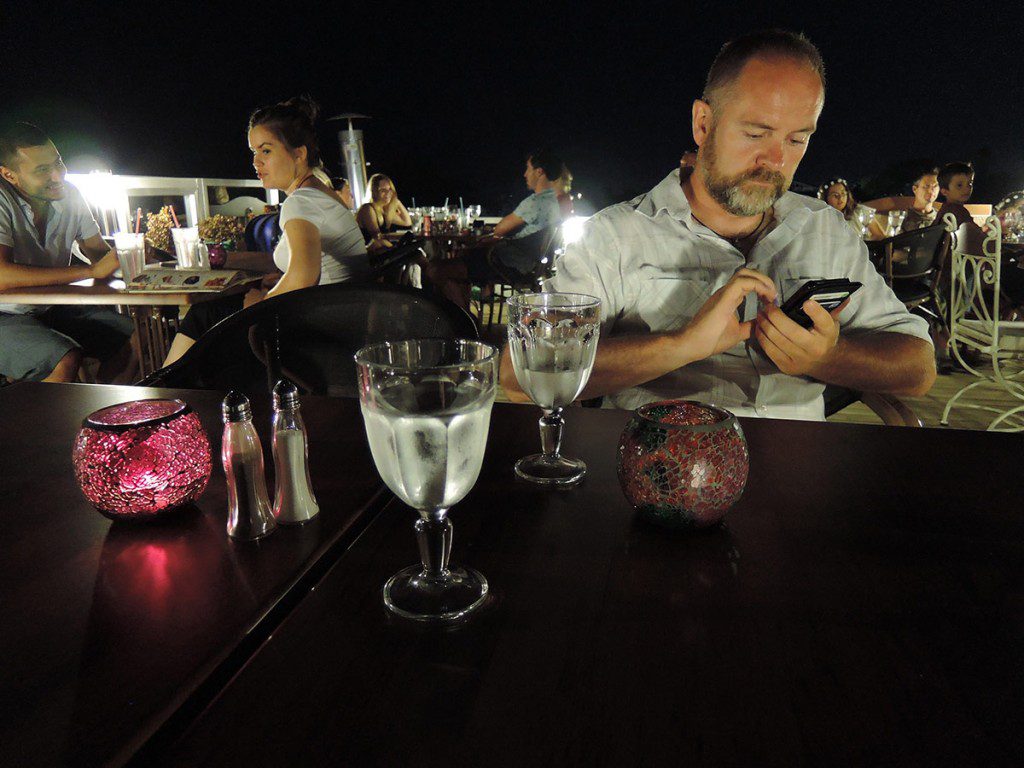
{"points": [[892, 411]]}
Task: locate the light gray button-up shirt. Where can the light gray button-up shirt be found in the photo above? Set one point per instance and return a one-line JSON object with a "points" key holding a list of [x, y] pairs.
{"points": [[653, 265], [70, 219], [539, 211]]}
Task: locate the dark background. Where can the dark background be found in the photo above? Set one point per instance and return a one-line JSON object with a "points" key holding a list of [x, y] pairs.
{"points": [[459, 92]]}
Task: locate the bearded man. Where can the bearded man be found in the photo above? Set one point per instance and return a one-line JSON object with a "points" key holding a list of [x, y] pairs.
{"points": [[690, 275]]}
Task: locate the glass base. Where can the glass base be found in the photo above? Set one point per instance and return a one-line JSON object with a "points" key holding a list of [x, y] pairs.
{"points": [[550, 470], [412, 594]]}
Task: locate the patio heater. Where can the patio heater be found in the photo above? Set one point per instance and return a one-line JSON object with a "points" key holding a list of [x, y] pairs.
{"points": [[354, 156]]}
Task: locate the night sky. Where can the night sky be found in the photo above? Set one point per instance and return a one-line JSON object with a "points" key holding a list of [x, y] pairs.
{"points": [[458, 93]]}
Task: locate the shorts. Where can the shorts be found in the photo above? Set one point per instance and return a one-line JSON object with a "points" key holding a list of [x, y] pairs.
{"points": [[31, 345]]}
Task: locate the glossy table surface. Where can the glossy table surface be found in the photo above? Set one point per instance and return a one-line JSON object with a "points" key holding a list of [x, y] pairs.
{"points": [[110, 631], [863, 605], [111, 292]]}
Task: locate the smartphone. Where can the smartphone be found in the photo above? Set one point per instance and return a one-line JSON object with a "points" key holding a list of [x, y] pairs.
{"points": [[830, 293]]}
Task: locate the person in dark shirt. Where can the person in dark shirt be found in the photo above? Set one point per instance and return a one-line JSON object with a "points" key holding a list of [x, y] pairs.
{"points": [[926, 191], [956, 183]]}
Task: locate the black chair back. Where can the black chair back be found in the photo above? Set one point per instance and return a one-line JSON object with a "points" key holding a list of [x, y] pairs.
{"points": [[923, 248], [310, 336], [538, 249]]}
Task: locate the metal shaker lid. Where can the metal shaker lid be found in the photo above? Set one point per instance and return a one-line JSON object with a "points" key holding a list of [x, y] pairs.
{"points": [[236, 407], [286, 396]]}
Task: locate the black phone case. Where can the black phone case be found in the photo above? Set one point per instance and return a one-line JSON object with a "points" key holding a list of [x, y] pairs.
{"points": [[793, 308]]}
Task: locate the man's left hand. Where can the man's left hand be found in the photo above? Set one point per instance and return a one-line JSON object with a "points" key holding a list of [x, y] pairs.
{"points": [[798, 351]]}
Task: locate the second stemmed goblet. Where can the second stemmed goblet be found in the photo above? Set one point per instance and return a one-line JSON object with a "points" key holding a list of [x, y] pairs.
{"points": [[427, 406], [553, 341]]}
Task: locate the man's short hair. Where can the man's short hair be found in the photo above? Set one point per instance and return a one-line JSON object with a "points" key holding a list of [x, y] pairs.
{"points": [[949, 170], [547, 161], [933, 171], [17, 135], [768, 44]]}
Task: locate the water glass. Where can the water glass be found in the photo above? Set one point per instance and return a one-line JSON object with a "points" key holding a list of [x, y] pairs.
{"points": [[192, 252], [553, 341], [131, 253], [426, 406], [896, 221]]}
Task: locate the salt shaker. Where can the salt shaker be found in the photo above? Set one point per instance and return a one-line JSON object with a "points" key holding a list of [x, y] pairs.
{"points": [[249, 513], [294, 502]]}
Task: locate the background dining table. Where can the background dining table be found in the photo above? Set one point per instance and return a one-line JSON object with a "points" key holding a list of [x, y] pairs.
{"points": [[154, 324]]}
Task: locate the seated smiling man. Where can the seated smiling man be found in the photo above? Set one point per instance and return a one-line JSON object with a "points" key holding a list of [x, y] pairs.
{"points": [[677, 267], [41, 218]]}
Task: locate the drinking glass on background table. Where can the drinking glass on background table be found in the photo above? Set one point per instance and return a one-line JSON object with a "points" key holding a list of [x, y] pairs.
{"points": [[896, 221], [553, 340], [191, 252], [427, 408], [131, 253]]}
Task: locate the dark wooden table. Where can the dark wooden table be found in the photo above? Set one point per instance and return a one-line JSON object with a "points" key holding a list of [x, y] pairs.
{"points": [[109, 633], [864, 605]]}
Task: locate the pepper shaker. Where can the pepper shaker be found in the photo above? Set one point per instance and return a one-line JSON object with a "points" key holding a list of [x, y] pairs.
{"points": [[249, 513], [294, 502]]}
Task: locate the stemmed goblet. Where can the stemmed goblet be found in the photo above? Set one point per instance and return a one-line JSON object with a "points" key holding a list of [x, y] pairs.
{"points": [[896, 221], [427, 405], [553, 341]]}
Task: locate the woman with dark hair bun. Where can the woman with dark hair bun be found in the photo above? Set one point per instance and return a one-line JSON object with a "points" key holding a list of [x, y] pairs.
{"points": [[321, 242]]}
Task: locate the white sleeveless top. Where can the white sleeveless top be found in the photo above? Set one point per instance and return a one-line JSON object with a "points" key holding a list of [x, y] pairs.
{"points": [[343, 252]]}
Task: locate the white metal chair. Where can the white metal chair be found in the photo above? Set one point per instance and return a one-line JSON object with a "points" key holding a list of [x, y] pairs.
{"points": [[975, 324]]}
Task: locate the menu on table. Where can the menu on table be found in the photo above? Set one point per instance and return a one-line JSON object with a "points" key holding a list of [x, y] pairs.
{"points": [[196, 280]]}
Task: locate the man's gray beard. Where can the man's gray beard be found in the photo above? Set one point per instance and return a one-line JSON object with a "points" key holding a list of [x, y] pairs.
{"points": [[727, 192], [740, 202]]}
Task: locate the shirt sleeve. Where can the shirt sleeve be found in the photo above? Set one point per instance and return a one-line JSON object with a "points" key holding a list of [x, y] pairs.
{"points": [[85, 223], [874, 307], [593, 266], [298, 207], [527, 210], [6, 227]]}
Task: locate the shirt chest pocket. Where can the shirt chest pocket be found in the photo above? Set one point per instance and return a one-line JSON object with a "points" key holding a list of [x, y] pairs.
{"points": [[666, 303]]}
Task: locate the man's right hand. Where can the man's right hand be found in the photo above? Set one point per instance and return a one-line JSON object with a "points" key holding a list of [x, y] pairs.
{"points": [[716, 327], [105, 267]]}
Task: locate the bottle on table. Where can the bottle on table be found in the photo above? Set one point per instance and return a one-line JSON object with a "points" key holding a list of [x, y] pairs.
{"points": [[294, 502], [249, 513]]}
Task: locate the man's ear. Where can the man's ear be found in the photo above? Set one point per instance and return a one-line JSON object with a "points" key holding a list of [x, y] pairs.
{"points": [[701, 119], [8, 175]]}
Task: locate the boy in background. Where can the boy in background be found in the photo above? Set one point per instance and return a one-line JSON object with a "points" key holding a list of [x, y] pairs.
{"points": [[956, 182]]}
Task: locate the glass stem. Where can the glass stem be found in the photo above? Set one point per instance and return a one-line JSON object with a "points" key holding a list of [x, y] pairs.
{"points": [[551, 431], [434, 535]]}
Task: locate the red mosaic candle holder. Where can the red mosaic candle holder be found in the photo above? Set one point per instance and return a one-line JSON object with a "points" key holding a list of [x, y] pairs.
{"points": [[683, 464], [142, 459]]}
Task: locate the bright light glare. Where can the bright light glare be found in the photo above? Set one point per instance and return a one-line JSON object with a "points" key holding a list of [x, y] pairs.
{"points": [[572, 229], [100, 188]]}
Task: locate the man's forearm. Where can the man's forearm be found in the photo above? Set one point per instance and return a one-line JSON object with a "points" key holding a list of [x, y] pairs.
{"points": [[622, 362], [890, 363], [24, 276]]}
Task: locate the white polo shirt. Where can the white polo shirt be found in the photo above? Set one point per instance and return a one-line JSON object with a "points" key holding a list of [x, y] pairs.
{"points": [[653, 265]]}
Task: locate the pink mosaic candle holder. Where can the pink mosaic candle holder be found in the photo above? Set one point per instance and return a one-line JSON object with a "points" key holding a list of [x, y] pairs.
{"points": [[683, 464], [142, 459]]}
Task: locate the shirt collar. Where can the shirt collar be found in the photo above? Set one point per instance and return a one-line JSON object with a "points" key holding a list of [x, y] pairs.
{"points": [[56, 206], [668, 196]]}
